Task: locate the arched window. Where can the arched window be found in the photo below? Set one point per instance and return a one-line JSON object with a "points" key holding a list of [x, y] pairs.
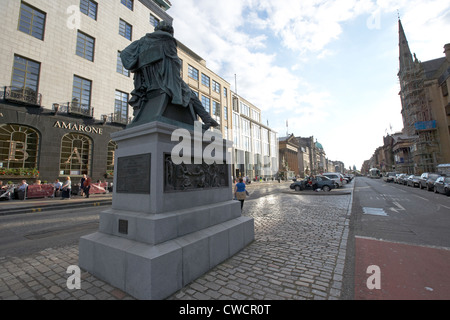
{"points": [[19, 147], [112, 147], [76, 155]]}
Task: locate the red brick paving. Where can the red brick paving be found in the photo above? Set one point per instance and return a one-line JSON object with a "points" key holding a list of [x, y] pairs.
{"points": [[408, 272]]}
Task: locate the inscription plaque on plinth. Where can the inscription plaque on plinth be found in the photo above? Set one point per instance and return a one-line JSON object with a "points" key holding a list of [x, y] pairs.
{"points": [[133, 174]]}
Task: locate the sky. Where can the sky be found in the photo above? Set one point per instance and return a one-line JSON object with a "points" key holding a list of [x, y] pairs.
{"points": [[322, 68]]}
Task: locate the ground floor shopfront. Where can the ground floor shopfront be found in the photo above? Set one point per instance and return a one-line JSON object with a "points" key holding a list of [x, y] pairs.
{"points": [[40, 144]]}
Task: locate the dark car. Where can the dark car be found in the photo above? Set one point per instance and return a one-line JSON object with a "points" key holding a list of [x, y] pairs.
{"points": [[442, 185], [424, 177], [323, 183], [412, 181], [431, 180]]}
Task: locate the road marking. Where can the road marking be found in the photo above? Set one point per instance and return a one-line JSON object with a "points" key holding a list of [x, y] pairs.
{"points": [[375, 211], [421, 198], [399, 206]]}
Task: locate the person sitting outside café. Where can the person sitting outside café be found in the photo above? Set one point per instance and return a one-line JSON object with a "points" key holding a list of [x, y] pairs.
{"points": [[22, 190], [6, 191], [2, 188]]}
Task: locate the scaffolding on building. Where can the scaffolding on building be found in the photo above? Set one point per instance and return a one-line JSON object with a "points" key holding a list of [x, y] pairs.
{"points": [[417, 115]]}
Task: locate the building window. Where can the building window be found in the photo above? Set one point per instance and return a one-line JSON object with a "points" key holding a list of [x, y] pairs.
{"points": [[128, 4], [121, 106], [112, 147], [193, 73], [89, 8], [206, 102], [245, 109], [265, 142], [216, 108], [32, 21], [76, 155], [225, 93], [120, 68], [216, 112], [235, 104], [246, 135], [273, 144], [153, 20], [256, 115], [256, 139], [19, 147], [205, 80], [225, 113], [444, 89], [125, 29], [236, 131], [85, 46], [25, 78], [216, 87], [81, 92]]}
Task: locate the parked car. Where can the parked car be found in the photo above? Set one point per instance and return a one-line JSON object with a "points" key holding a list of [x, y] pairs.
{"points": [[413, 181], [323, 183], [402, 179], [424, 177], [396, 177], [442, 185], [389, 177], [336, 177], [348, 177], [431, 180]]}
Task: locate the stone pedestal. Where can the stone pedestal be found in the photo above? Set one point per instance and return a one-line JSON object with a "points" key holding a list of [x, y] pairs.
{"points": [[163, 230]]}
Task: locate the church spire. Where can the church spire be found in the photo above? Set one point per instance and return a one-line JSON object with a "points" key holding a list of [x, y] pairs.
{"points": [[406, 58]]}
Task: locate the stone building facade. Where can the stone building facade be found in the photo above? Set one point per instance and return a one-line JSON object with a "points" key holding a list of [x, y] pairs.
{"points": [[425, 106], [62, 81]]}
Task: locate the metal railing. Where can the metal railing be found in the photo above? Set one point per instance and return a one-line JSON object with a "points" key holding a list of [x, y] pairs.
{"points": [[116, 118], [21, 95], [73, 108]]}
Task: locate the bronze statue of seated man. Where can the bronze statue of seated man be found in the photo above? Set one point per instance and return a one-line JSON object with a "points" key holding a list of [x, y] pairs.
{"points": [[156, 66]]}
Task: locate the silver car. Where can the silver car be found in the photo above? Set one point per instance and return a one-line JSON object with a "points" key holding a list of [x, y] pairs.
{"points": [[336, 177]]}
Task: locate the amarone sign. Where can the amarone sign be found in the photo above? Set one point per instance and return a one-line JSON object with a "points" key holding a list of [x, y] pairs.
{"points": [[78, 127]]}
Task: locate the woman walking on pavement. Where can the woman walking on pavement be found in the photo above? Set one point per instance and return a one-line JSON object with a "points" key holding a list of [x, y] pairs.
{"points": [[240, 192]]}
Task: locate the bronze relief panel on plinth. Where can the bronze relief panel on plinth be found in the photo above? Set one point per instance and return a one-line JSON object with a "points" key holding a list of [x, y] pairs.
{"points": [[193, 176]]}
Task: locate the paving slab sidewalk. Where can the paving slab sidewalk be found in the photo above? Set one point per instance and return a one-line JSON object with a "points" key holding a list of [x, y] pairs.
{"points": [[298, 254]]}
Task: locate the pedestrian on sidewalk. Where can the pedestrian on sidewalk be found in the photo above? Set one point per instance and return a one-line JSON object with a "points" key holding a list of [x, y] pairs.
{"points": [[239, 192], [87, 186], [66, 189], [83, 179]]}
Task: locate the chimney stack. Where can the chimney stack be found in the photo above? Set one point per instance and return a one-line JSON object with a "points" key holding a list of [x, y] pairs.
{"points": [[447, 51]]}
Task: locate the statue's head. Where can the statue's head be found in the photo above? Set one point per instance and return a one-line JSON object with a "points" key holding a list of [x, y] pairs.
{"points": [[165, 26]]}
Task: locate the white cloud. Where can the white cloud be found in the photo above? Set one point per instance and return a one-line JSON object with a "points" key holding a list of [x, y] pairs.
{"points": [[248, 37]]}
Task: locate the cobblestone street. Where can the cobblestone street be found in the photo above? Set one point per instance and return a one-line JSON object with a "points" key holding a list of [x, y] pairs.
{"points": [[299, 253]]}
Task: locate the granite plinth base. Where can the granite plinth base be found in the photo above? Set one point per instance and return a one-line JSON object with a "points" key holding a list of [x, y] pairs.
{"points": [[154, 272], [169, 223]]}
